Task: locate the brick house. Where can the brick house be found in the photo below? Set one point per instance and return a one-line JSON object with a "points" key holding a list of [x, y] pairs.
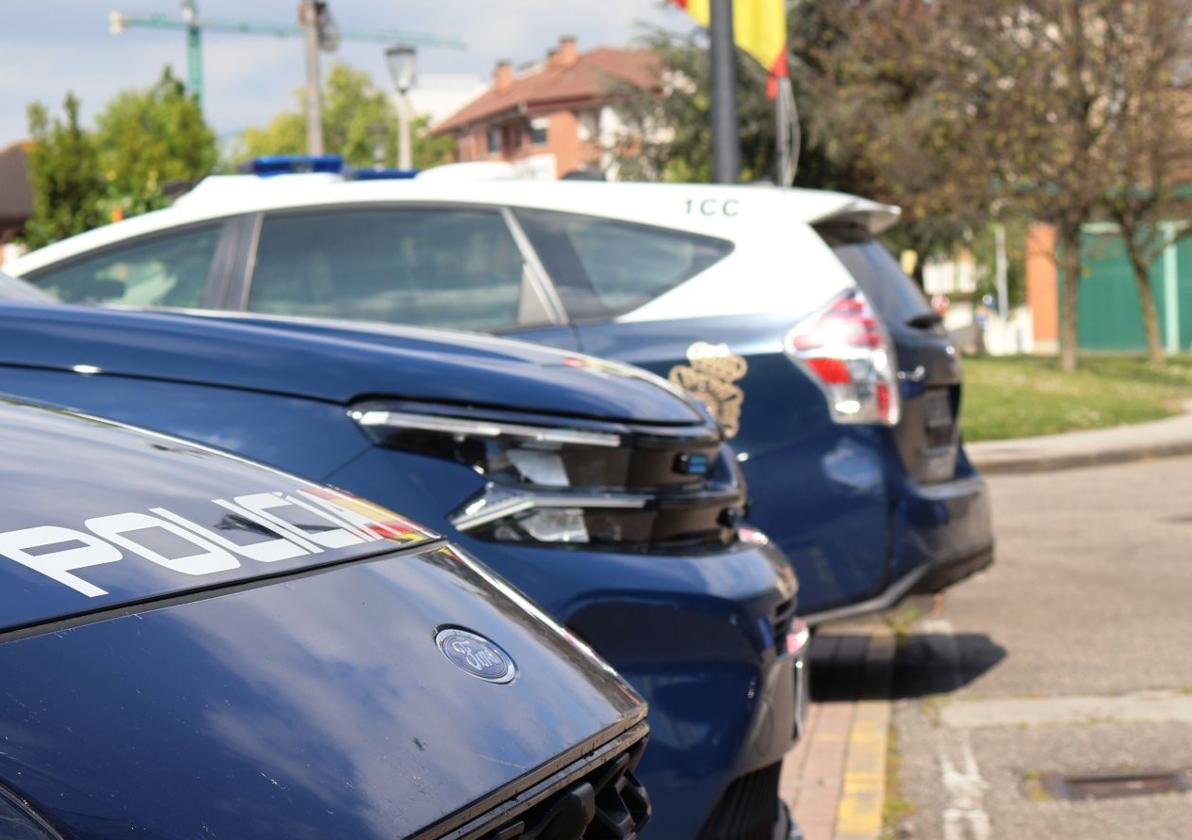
{"points": [[564, 106], [16, 197]]}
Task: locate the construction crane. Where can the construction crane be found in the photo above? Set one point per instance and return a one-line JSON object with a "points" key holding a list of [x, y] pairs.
{"points": [[314, 25]]}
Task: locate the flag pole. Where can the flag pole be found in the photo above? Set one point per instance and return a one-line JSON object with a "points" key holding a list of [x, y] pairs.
{"points": [[726, 144]]}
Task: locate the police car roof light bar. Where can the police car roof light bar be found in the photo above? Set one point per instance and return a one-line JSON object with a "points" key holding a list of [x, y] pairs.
{"points": [[270, 165]]}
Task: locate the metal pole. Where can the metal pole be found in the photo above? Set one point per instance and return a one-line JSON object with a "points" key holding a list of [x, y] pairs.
{"points": [[1001, 265], [726, 144], [308, 16], [1171, 289], [194, 51], [405, 149]]}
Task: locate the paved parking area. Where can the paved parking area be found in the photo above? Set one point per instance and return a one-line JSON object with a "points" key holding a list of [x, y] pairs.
{"points": [[1072, 656]]}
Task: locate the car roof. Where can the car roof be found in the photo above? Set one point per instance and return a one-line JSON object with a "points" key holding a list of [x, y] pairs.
{"points": [[712, 209]]}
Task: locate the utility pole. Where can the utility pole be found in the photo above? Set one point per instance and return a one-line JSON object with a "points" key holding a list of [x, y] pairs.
{"points": [[194, 52], [308, 19], [726, 144]]}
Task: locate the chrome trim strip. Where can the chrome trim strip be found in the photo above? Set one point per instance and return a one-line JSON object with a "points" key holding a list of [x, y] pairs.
{"points": [[481, 428], [489, 508], [883, 601]]}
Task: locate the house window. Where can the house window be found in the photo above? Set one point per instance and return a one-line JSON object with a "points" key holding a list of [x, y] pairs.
{"points": [[493, 138], [538, 127], [587, 129]]}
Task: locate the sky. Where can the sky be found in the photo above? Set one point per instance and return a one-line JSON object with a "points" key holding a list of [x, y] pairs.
{"points": [[48, 47]]}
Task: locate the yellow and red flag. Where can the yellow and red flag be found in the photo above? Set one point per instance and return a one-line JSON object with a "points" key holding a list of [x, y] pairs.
{"points": [[759, 28]]}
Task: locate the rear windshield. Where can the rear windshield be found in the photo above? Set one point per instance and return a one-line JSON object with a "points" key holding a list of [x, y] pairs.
{"points": [[603, 268], [896, 297]]}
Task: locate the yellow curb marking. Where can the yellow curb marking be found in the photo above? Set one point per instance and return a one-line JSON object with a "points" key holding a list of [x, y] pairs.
{"points": [[859, 813]]}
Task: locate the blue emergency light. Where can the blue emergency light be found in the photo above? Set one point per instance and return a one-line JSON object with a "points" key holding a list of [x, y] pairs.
{"points": [[270, 165], [380, 174]]}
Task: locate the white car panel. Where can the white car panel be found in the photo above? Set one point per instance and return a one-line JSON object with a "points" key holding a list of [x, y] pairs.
{"points": [[769, 227]]}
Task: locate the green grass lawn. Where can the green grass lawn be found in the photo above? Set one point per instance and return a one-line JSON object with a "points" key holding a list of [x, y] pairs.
{"points": [[1019, 396]]}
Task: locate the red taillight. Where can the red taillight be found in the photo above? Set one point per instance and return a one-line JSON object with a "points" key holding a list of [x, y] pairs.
{"points": [[830, 371], [797, 638], [851, 358]]}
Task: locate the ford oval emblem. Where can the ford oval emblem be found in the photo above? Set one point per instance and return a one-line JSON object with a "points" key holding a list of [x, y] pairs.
{"points": [[477, 655]]}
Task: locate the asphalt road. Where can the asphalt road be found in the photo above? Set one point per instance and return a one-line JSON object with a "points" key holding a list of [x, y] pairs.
{"points": [[1073, 655]]}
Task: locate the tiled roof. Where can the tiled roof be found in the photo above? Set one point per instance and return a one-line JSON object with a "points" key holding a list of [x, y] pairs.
{"points": [[592, 75]]}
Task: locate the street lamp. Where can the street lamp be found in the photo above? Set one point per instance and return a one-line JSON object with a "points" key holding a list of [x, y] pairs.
{"points": [[402, 60]]}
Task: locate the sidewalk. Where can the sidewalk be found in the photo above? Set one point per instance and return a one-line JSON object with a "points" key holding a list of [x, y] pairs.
{"points": [[834, 779], [1159, 439]]}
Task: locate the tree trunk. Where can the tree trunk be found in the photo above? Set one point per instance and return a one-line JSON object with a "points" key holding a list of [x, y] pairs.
{"points": [[1070, 269], [1150, 313]]}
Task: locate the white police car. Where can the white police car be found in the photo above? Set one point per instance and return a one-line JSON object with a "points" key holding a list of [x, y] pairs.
{"points": [[777, 307]]}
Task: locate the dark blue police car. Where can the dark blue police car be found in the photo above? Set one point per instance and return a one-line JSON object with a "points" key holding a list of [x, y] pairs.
{"points": [[194, 646], [779, 308], [602, 493]]}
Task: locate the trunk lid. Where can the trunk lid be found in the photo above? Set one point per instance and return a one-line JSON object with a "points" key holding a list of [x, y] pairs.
{"points": [[928, 433]]}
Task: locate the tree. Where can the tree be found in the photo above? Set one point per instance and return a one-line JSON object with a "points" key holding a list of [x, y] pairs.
{"points": [[880, 88], [150, 138], [1044, 80], [1152, 141], [64, 172], [876, 118], [359, 121], [669, 136]]}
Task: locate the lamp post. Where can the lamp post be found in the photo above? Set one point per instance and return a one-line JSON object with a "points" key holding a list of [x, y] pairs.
{"points": [[402, 60]]}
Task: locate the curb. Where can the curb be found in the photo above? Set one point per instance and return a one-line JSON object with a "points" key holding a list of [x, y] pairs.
{"points": [[1075, 460], [1170, 437], [859, 814], [834, 779]]}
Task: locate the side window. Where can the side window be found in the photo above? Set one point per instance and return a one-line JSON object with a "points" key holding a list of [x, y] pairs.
{"points": [[604, 268], [165, 270], [428, 267]]}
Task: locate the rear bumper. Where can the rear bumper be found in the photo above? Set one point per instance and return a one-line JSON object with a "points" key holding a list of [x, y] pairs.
{"points": [[943, 529], [942, 575], [941, 535]]}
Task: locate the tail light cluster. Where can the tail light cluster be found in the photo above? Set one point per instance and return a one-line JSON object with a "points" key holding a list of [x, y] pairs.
{"points": [[849, 355]]}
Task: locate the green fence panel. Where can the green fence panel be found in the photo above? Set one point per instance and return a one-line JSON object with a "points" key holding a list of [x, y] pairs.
{"points": [[1109, 312], [1183, 256]]}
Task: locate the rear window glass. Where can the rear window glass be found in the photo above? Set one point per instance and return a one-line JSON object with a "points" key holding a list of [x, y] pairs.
{"points": [[603, 267], [895, 296]]}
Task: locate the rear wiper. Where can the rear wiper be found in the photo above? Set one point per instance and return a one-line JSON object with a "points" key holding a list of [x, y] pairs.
{"points": [[924, 320]]}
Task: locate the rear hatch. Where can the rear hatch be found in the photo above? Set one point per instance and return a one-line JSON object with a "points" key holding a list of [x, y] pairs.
{"points": [[209, 648], [928, 367]]}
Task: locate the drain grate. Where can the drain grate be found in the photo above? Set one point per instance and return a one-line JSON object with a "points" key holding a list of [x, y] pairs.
{"points": [[1115, 784]]}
